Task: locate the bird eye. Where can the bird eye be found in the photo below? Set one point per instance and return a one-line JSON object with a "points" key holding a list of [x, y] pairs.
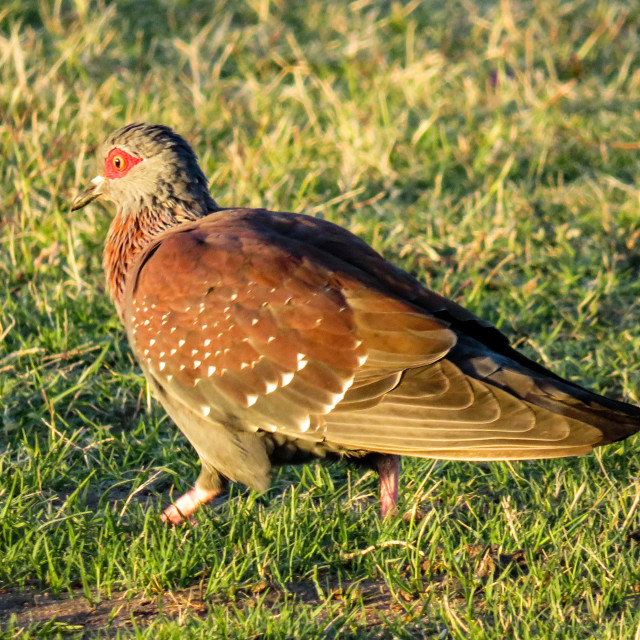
{"points": [[118, 163]]}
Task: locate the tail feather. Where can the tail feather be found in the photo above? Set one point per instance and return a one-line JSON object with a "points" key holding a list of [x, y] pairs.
{"points": [[533, 383]]}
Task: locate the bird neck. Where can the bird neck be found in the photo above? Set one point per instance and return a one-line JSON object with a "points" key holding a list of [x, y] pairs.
{"points": [[129, 234]]}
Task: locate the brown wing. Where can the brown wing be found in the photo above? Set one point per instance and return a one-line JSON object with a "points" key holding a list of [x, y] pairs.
{"points": [[438, 412], [261, 338], [288, 324]]}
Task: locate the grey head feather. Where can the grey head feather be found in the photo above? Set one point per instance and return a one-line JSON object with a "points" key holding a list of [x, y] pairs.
{"points": [[168, 179]]}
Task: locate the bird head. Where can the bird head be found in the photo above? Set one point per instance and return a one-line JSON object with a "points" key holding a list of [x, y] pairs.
{"points": [[147, 167]]}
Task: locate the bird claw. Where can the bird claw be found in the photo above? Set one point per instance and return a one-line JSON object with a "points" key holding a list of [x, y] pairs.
{"points": [[186, 505], [173, 515]]}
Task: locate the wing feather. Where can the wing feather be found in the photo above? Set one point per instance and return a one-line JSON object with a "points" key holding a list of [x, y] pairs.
{"points": [[263, 331]]}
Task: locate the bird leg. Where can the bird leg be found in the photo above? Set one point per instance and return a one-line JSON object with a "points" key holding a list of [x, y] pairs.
{"points": [[388, 468], [184, 507]]}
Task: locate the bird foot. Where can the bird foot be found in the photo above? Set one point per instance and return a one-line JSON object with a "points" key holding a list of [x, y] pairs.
{"points": [[388, 468], [185, 506]]}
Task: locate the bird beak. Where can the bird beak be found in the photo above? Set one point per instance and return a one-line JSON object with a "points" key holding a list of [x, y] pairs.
{"points": [[88, 195]]}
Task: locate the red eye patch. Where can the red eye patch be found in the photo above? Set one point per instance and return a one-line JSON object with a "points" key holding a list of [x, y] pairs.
{"points": [[119, 163]]}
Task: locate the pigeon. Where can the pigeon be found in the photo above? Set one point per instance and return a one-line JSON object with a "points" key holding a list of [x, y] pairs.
{"points": [[279, 338]]}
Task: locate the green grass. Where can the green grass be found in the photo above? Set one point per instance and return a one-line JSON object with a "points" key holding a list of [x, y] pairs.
{"points": [[489, 148]]}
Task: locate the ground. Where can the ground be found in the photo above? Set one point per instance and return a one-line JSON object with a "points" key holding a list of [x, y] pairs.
{"points": [[490, 148]]}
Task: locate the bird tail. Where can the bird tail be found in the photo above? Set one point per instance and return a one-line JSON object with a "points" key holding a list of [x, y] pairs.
{"points": [[477, 403], [533, 383]]}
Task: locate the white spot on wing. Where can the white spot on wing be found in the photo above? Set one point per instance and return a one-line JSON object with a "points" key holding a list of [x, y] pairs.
{"points": [[162, 365], [206, 410], [251, 400], [337, 397], [305, 424]]}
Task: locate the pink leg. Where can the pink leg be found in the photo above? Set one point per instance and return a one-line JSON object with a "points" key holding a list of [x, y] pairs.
{"points": [[183, 508], [389, 470]]}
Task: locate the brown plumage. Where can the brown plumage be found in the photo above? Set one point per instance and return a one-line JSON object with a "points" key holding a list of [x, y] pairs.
{"points": [[275, 338]]}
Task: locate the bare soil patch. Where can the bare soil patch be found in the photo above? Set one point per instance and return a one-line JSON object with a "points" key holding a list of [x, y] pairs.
{"points": [[74, 612]]}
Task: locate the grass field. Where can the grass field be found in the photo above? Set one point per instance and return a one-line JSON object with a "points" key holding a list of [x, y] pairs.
{"points": [[491, 148]]}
